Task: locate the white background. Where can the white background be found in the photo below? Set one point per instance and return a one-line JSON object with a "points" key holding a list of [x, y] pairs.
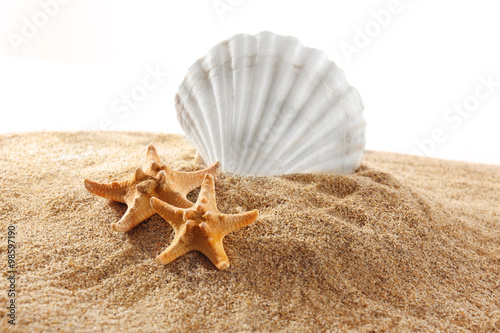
{"points": [[66, 65]]}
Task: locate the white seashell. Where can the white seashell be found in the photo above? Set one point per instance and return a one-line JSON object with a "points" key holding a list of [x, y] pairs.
{"points": [[267, 105]]}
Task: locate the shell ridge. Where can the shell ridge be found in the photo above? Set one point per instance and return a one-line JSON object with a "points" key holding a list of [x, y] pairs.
{"points": [[337, 149], [292, 119], [230, 119], [194, 135], [266, 105], [312, 104], [296, 158], [341, 117], [290, 59], [221, 82], [200, 92], [190, 125], [243, 76], [263, 79], [187, 101], [270, 71], [328, 112], [194, 88], [213, 66]]}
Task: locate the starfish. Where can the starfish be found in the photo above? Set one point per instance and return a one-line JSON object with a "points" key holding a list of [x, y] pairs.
{"points": [[153, 179], [201, 227]]}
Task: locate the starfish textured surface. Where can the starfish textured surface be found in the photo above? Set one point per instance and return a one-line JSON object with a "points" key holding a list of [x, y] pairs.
{"points": [[152, 180], [202, 227]]}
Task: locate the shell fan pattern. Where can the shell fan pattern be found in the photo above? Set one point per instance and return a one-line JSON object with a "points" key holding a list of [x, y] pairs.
{"points": [[267, 105]]}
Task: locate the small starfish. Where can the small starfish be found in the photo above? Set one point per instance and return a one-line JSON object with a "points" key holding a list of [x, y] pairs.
{"points": [[202, 227], [153, 180]]}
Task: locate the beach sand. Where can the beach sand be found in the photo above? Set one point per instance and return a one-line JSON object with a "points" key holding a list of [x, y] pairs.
{"points": [[404, 244]]}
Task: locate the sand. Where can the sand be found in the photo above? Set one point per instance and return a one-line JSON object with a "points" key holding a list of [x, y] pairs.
{"points": [[404, 244]]}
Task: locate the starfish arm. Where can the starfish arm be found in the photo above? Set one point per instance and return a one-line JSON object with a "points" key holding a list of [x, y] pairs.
{"points": [[152, 155], [170, 196], [152, 167], [188, 181], [207, 194], [199, 160], [232, 222], [178, 200], [139, 174], [115, 191], [178, 248], [171, 214], [146, 188], [137, 212], [214, 251]]}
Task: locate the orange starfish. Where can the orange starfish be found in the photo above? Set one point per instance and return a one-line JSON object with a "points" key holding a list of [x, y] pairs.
{"points": [[154, 179], [202, 227]]}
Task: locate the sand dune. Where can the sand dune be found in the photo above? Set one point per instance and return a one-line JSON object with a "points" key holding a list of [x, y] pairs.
{"points": [[404, 244]]}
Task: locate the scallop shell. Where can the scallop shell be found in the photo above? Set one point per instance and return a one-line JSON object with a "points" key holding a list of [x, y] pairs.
{"points": [[267, 105]]}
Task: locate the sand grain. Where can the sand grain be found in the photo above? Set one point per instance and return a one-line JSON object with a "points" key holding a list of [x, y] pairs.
{"points": [[405, 243]]}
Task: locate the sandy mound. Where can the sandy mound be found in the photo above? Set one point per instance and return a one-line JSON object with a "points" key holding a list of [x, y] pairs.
{"points": [[405, 243]]}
